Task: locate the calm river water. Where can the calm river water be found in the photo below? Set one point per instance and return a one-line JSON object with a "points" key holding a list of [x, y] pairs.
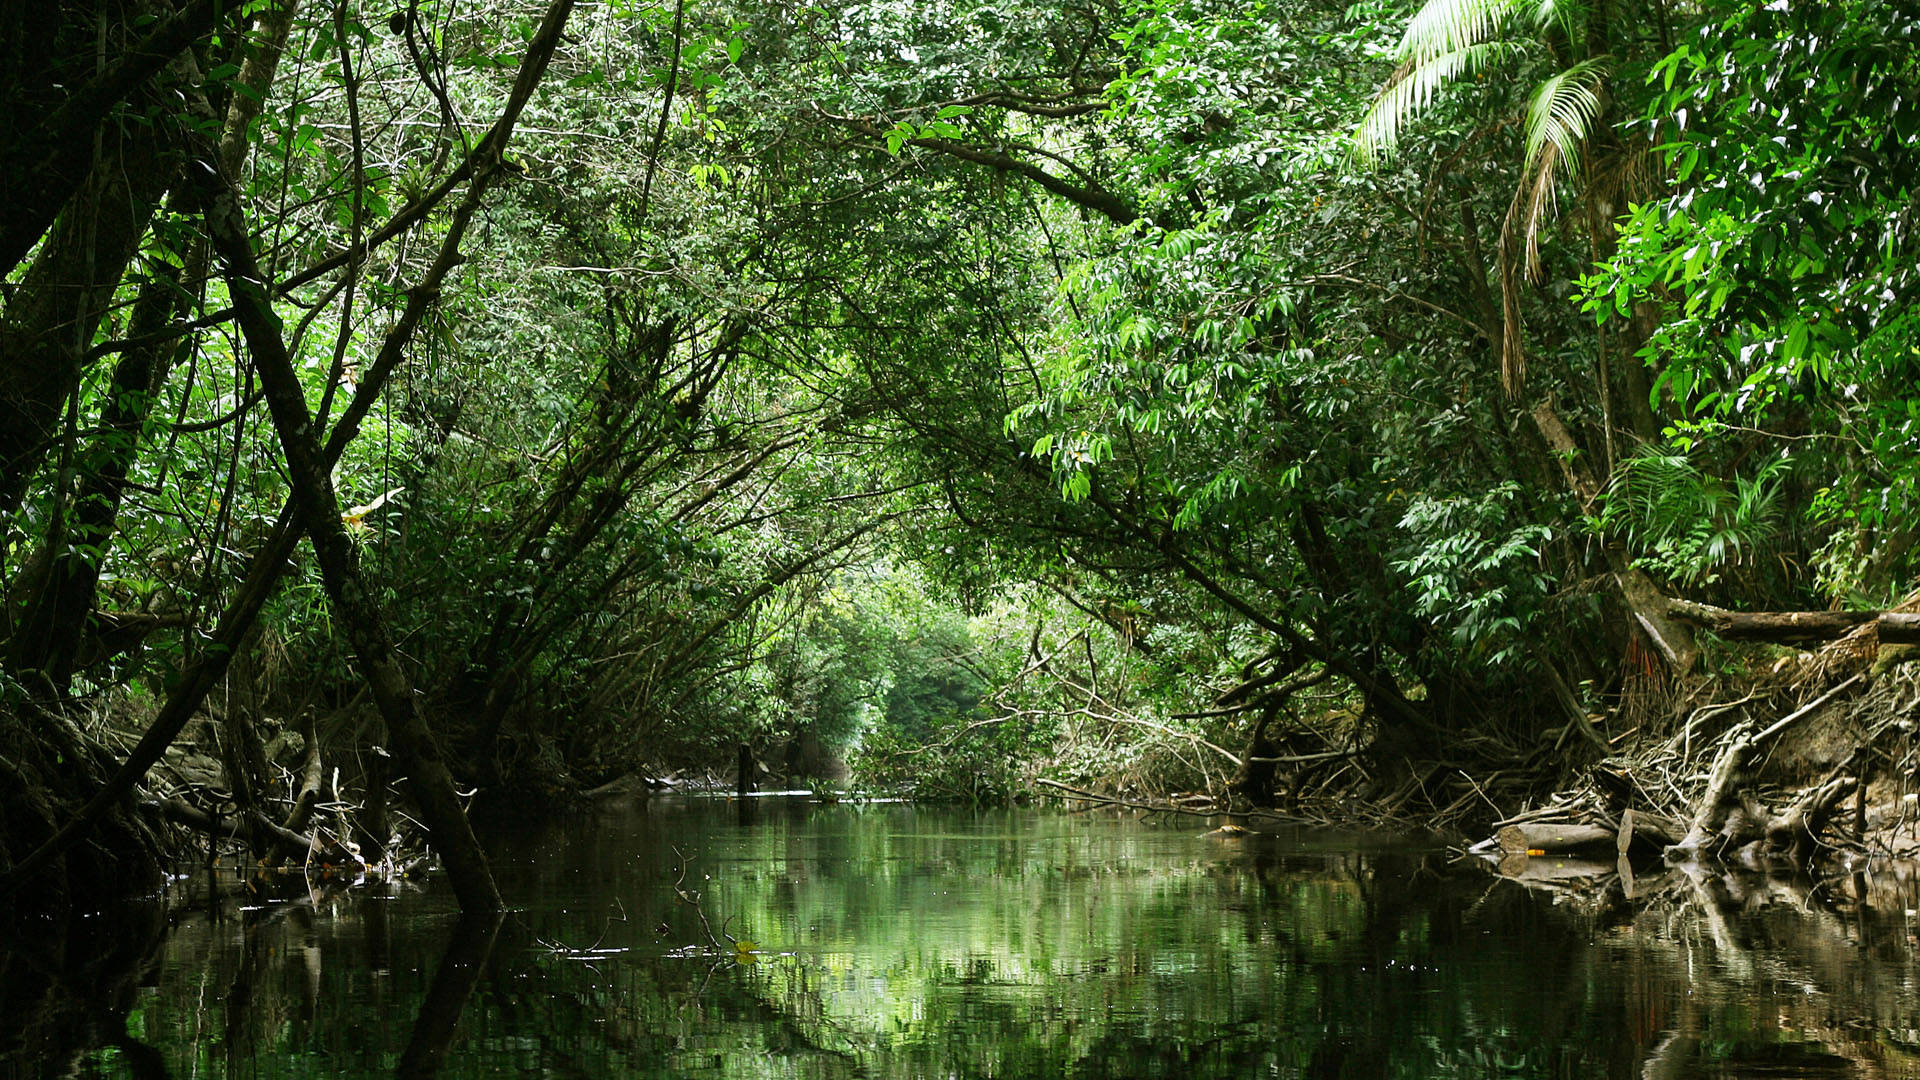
{"points": [[893, 941]]}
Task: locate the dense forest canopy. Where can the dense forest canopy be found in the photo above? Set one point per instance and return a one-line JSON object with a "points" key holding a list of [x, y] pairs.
{"points": [[1274, 400]]}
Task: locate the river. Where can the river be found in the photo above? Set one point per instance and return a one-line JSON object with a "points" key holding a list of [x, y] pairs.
{"points": [[887, 940]]}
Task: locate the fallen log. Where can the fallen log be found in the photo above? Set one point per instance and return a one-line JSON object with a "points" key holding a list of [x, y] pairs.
{"points": [[1555, 838], [1796, 627]]}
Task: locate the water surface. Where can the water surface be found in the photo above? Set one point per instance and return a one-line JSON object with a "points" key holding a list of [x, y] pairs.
{"points": [[897, 941]]}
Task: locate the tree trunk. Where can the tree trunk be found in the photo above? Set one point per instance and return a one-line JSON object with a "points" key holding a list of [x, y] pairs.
{"points": [[318, 508], [354, 605], [1552, 838], [192, 687], [55, 111], [59, 599], [1644, 600], [51, 316], [55, 593], [352, 600]]}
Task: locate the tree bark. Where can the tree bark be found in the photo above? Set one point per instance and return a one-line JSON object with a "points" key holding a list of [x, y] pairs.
{"points": [[51, 316], [1556, 838], [59, 600], [192, 687], [354, 605], [54, 593], [318, 509]]}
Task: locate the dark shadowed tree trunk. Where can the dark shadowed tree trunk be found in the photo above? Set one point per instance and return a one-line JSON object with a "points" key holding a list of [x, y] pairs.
{"points": [[55, 596], [68, 66], [52, 314]]}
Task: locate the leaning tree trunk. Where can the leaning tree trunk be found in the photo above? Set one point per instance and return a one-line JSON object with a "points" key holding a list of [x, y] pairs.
{"points": [[46, 148], [1644, 599], [1798, 627], [50, 319], [59, 596], [354, 603]]}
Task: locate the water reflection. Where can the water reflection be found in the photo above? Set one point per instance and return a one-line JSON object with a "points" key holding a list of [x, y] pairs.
{"points": [[894, 941]]}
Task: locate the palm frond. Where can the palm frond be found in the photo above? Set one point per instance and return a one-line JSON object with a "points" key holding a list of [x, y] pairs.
{"points": [[1568, 17], [1513, 354], [1563, 109], [1410, 92], [1542, 198], [1559, 121], [1447, 26]]}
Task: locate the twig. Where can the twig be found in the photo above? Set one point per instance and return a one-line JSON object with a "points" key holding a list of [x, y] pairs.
{"points": [[1159, 808], [1476, 787], [1810, 706], [1190, 736], [1550, 810], [692, 898]]}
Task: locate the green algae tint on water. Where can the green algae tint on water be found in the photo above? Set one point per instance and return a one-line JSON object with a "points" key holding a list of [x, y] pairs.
{"points": [[895, 941]]}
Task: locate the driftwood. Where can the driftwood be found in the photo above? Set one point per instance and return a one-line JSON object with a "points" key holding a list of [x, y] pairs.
{"points": [[1716, 802], [1775, 727], [1555, 838], [1796, 627], [1648, 829], [1793, 832], [1727, 820]]}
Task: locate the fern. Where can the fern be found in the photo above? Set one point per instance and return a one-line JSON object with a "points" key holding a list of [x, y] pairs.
{"points": [[1686, 524]]}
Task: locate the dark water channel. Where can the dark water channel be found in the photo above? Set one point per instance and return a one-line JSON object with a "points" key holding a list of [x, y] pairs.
{"points": [[894, 941]]}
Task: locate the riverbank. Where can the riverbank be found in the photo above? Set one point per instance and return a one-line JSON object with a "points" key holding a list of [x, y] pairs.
{"points": [[1778, 757]]}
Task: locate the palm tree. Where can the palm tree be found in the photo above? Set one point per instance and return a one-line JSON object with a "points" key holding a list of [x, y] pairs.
{"points": [[1450, 40], [1559, 50]]}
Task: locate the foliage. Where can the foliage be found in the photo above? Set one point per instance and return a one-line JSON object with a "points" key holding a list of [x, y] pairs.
{"points": [[1692, 527], [1476, 569], [1786, 259]]}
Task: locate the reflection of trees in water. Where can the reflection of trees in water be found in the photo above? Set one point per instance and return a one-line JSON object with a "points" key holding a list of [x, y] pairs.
{"points": [[64, 993], [1755, 973], [1823, 963], [913, 944]]}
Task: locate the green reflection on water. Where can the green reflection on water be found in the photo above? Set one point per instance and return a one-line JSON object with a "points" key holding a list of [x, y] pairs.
{"points": [[892, 941]]}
